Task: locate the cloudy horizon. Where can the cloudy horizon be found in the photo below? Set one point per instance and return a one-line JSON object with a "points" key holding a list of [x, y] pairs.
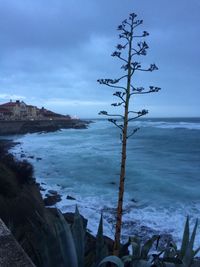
{"points": [[53, 52]]}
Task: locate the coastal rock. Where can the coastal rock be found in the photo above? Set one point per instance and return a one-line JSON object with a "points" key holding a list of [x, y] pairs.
{"points": [[70, 198], [38, 159], [42, 188], [112, 183], [52, 192], [31, 157], [52, 200], [133, 200]]}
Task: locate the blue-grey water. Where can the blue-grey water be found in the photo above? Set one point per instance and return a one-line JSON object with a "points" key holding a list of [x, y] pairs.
{"points": [[162, 181]]}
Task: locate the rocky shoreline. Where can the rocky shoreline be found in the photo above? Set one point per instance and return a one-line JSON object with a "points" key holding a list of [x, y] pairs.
{"points": [[27, 126], [25, 213], [21, 198]]}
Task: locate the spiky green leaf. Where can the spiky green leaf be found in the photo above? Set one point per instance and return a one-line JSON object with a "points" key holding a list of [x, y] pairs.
{"points": [[147, 246], [66, 242], [113, 259], [189, 255], [101, 248], [136, 247], [78, 233], [185, 239]]}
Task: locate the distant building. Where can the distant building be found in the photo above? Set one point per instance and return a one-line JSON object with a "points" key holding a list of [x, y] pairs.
{"points": [[19, 110], [5, 113]]}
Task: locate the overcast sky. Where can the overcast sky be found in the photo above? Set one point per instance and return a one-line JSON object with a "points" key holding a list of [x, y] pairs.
{"points": [[53, 51]]}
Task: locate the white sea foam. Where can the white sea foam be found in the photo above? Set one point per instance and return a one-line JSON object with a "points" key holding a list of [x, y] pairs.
{"points": [[83, 163], [168, 125]]}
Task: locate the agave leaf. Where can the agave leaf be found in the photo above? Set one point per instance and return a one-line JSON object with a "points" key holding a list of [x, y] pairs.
{"points": [[101, 248], [171, 250], [78, 233], [124, 249], [143, 263], [173, 245], [66, 242], [196, 251], [195, 263], [191, 243], [172, 260], [147, 246], [169, 264], [185, 240], [136, 247], [112, 259], [127, 258], [189, 255]]}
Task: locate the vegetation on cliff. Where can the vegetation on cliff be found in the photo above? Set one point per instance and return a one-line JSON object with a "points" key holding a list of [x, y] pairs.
{"points": [[48, 237]]}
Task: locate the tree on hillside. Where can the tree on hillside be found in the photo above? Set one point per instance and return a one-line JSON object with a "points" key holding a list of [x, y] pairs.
{"points": [[127, 51]]}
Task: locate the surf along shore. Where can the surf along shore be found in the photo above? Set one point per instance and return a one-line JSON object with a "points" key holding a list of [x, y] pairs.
{"points": [[25, 213]]}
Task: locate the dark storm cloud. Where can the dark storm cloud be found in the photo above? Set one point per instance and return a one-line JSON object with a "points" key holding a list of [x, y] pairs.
{"points": [[52, 52]]}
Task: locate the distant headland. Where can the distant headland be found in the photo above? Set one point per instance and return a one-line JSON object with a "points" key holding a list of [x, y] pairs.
{"points": [[16, 117]]}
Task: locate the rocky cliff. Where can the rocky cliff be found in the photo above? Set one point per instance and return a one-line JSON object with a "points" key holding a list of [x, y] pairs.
{"points": [[33, 225], [23, 127]]}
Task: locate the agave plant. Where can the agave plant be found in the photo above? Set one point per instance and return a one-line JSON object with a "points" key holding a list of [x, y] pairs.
{"points": [[185, 257], [112, 259], [169, 257], [101, 248], [140, 254], [67, 245], [78, 233], [187, 252]]}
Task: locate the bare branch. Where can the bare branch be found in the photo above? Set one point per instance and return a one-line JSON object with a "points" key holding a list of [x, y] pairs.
{"points": [[151, 68], [126, 22], [116, 86], [120, 126], [140, 90], [120, 47], [133, 49], [103, 112], [142, 49], [123, 36], [135, 65], [137, 23], [107, 81], [139, 114], [133, 132], [137, 89], [110, 82], [117, 104], [135, 112], [123, 59], [145, 33], [120, 95], [118, 54]]}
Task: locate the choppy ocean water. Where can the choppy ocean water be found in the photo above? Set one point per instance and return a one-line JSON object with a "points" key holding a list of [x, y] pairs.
{"points": [[162, 181]]}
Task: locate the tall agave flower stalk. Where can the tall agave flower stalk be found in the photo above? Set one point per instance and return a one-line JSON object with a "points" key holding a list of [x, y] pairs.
{"points": [[127, 51]]}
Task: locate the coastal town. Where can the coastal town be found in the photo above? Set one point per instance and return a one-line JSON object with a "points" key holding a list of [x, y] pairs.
{"points": [[19, 110], [16, 117]]}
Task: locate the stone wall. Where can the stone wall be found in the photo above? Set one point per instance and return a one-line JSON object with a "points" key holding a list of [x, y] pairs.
{"points": [[11, 253]]}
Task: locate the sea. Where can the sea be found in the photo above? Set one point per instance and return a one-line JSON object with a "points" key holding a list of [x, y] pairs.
{"points": [[162, 184]]}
